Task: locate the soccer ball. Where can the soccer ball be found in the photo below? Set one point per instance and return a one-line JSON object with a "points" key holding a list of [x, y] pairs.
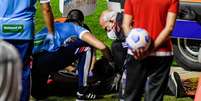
{"points": [[138, 38]]}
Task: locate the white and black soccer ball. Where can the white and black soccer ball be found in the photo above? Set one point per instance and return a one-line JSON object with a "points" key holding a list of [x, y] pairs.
{"points": [[138, 38]]}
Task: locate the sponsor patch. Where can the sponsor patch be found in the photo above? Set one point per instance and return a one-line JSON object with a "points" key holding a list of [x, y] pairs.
{"points": [[13, 28]]}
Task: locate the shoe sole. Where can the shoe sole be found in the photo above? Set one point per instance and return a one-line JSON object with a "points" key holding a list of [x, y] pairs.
{"points": [[179, 86], [175, 83]]}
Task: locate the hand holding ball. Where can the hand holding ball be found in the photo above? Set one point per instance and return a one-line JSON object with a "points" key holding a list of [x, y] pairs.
{"points": [[138, 38]]}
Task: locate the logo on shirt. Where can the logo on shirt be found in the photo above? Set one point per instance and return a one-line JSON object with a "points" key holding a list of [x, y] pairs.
{"points": [[70, 40], [13, 28]]}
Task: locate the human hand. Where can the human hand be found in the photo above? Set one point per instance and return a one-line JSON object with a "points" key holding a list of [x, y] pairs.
{"points": [[139, 54], [49, 36], [51, 42], [142, 53]]}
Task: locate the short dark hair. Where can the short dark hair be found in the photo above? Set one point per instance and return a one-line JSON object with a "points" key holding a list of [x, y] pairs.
{"points": [[76, 15]]}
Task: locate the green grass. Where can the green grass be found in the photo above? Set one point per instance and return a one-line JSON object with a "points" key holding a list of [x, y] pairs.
{"points": [[92, 22]]}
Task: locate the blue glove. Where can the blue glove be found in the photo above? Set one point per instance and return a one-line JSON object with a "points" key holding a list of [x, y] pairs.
{"points": [[52, 42], [46, 41]]}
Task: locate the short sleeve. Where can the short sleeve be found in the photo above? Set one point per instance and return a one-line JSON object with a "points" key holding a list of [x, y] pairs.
{"points": [[80, 31], [128, 7], [44, 1], [174, 6]]}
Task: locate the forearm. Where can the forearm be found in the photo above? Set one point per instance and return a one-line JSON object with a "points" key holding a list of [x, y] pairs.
{"points": [[165, 33], [163, 36], [91, 40], [48, 17], [93, 59], [126, 29], [126, 25]]}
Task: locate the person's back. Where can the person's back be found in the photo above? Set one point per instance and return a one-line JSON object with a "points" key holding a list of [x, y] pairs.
{"points": [[15, 17], [20, 9], [65, 34]]}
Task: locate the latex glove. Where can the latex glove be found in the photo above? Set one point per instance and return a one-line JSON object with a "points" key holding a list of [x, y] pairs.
{"points": [[51, 42]]}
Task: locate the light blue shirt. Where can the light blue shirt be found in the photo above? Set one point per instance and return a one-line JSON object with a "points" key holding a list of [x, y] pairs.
{"points": [[62, 37], [16, 19]]}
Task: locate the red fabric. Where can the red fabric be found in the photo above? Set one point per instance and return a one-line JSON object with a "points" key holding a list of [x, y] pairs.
{"points": [[151, 15]]}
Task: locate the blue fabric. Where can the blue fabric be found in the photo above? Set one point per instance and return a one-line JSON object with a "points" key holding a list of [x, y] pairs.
{"points": [[26, 74], [81, 69], [17, 12], [63, 34], [17, 9]]}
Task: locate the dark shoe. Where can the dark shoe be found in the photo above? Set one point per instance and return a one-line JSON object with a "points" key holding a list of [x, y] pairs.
{"points": [[175, 85]]}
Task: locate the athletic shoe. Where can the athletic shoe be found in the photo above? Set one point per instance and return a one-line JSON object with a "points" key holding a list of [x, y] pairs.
{"points": [[85, 93], [175, 85]]}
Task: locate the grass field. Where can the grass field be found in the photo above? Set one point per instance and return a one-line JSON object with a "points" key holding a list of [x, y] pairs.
{"points": [[92, 22]]}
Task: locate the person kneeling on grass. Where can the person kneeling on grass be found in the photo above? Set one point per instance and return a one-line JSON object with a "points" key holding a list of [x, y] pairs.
{"points": [[70, 42]]}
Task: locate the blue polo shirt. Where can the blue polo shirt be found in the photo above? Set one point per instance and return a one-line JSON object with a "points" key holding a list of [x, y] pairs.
{"points": [[64, 34], [16, 19]]}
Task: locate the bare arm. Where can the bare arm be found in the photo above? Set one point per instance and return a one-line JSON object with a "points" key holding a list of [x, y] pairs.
{"points": [[170, 22], [127, 21], [48, 16], [93, 60], [90, 39], [163, 36]]}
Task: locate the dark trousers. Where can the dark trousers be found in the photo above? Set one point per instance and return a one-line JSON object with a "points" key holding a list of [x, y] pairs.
{"points": [[48, 62], [43, 64], [119, 54], [148, 76]]}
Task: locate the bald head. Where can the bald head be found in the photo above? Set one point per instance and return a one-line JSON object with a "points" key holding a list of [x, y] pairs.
{"points": [[106, 16]]}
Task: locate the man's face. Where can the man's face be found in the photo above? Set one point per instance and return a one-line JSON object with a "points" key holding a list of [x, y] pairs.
{"points": [[107, 20], [109, 25]]}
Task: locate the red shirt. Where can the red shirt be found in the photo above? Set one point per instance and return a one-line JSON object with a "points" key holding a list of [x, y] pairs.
{"points": [[151, 15]]}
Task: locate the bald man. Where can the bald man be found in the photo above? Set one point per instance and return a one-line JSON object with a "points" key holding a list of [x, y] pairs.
{"points": [[111, 22]]}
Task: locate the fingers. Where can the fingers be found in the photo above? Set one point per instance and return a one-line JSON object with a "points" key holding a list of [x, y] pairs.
{"points": [[139, 54]]}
